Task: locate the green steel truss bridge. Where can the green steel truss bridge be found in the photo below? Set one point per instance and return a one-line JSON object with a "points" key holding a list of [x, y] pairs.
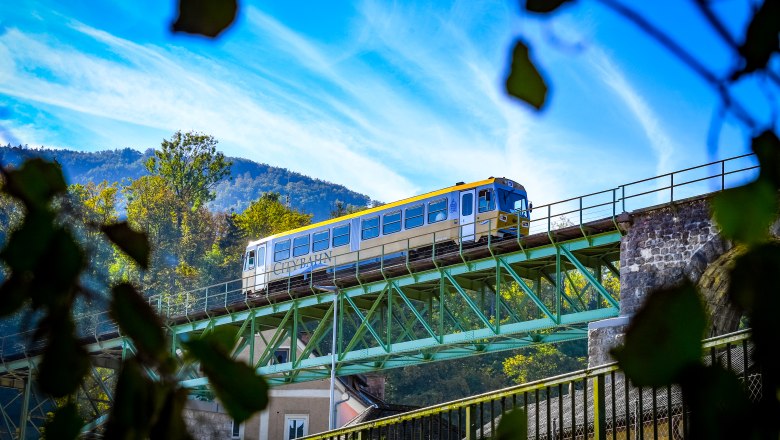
{"points": [[442, 302]]}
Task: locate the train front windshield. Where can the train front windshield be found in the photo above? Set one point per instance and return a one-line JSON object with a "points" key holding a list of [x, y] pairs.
{"points": [[510, 201]]}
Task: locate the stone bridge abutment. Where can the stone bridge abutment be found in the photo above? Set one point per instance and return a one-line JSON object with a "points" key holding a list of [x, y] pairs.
{"points": [[662, 246]]}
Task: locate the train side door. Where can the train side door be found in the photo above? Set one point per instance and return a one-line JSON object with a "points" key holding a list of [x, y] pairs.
{"points": [[260, 269], [467, 215]]}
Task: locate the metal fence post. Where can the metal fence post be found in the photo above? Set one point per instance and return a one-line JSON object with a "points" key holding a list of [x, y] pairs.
{"points": [[471, 422], [599, 409]]}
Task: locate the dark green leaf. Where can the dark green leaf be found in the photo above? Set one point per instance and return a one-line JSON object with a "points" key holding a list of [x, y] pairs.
{"points": [[27, 245], [761, 39], [137, 320], [135, 244], [170, 424], [205, 17], [767, 149], [543, 6], [745, 213], [13, 293], [718, 406], [64, 362], [65, 425], [223, 338], [524, 81], [664, 338], [54, 285], [135, 404], [240, 389], [513, 425], [754, 288], [35, 183]]}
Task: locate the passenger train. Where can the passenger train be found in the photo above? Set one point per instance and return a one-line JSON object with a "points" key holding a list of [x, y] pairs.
{"points": [[463, 213]]}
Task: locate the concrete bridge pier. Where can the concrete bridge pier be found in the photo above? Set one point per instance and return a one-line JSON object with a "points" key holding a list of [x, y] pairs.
{"points": [[662, 246]]}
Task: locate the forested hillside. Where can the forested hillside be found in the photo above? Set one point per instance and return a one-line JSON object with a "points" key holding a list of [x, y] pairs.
{"points": [[249, 180]]}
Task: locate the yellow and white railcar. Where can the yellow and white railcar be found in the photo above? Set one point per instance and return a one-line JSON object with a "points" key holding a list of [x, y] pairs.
{"points": [[465, 212]]}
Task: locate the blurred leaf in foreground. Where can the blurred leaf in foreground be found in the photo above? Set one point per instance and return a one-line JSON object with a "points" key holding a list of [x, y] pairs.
{"points": [[137, 320], [664, 337], [544, 6], [718, 406], [65, 425], [205, 17], [746, 212], [524, 81], [240, 389], [135, 244], [513, 425], [762, 38]]}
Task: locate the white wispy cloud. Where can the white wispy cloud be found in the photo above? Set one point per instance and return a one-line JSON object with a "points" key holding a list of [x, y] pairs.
{"points": [[611, 75], [413, 103]]}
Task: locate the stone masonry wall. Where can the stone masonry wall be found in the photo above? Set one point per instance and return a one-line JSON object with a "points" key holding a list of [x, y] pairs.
{"points": [[662, 245], [207, 420], [659, 247]]}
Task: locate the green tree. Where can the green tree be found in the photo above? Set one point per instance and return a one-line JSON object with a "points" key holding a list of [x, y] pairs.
{"points": [[341, 209], [268, 215], [191, 166], [437, 382], [543, 361]]}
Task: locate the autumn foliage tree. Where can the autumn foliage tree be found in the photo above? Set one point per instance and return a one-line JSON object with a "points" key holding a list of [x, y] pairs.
{"points": [[190, 166]]}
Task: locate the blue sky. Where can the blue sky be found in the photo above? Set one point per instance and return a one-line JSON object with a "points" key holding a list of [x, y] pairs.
{"points": [[388, 98]]}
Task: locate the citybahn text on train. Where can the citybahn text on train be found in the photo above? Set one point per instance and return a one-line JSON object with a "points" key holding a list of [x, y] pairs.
{"points": [[463, 213]]}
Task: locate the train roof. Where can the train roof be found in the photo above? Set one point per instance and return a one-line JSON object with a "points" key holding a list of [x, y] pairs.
{"points": [[447, 190]]}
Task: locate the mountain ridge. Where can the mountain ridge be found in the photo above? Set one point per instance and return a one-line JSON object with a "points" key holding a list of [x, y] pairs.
{"points": [[249, 179]]}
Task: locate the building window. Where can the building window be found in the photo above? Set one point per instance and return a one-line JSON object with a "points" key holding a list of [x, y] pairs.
{"points": [[235, 430], [391, 222], [437, 211], [281, 356], [370, 228], [282, 250], [295, 426], [301, 246], [340, 235], [414, 216], [321, 240], [486, 200]]}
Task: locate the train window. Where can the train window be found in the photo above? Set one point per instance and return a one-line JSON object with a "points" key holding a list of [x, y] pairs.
{"points": [[414, 216], [369, 228], [510, 201], [261, 256], [486, 200], [437, 211], [340, 235], [250, 260], [391, 222], [301, 246], [321, 240], [282, 250]]}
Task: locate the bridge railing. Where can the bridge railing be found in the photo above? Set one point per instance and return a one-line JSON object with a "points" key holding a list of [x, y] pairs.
{"points": [[666, 188], [385, 260], [593, 403]]}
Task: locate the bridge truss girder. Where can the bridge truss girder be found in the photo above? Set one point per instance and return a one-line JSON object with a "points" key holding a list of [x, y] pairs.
{"points": [[444, 313]]}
